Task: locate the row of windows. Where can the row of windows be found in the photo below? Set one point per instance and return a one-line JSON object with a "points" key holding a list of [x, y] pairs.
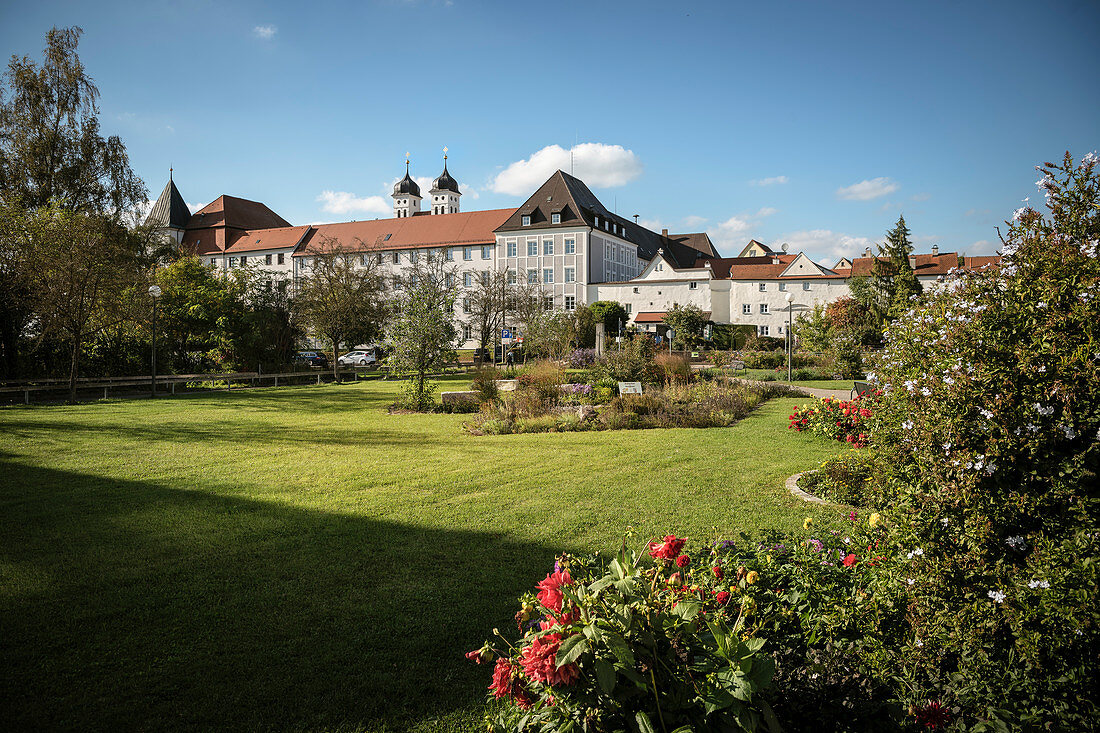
{"points": [[782, 287], [555, 218], [547, 275], [242, 261], [570, 245]]}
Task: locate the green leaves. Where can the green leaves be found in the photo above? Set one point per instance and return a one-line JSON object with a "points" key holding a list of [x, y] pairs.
{"points": [[571, 649]]}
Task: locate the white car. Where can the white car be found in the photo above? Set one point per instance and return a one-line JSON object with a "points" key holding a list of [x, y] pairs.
{"points": [[358, 358]]}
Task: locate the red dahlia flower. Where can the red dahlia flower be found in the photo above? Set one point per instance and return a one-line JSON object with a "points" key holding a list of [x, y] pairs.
{"points": [[550, 594], [667, 550], [683, 561], [722, 597], [539, 661], [933, 715]]}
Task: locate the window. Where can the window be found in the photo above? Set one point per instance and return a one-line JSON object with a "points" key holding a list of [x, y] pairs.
{"points": [[548, 275], [555, 218], [526, 221], [413, 281], [762, 330], [512, 277], [467, 253], [629, 308], [267, 261], [746, 309], [614, 228], [570, 246], [782, 287], [280, 258], [233, 262], [532, 276], [486, 251], [660, 266], [597, 220], [450, 280], [413, 257], [763, 287], [483, 277], [244, 260], [606, 225], [571, 302], [511, 249], [532, 248], [397, 284], [450, 256], [466, 333], [465, 305], [362, 260], [693, 286], [397, 258], [467, 279], [763, 309], [548, 302], [548, 246], [570, 274], [805, 286], [387, 237], [214, 261]]}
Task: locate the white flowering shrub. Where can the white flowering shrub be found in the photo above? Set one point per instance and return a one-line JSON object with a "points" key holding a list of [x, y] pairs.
{"points": [[993, 390]]}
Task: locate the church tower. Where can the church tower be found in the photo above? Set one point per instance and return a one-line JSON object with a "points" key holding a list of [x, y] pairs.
{"points": [[445, 193], [406, 195], [170, 213]]}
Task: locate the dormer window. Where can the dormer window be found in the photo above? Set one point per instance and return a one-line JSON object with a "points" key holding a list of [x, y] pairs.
{"points": [[555, 218], [693, 285], [526, 221], [597, 220]]}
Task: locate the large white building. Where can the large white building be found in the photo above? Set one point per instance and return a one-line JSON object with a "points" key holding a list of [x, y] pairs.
{"points": [[563, 239]]}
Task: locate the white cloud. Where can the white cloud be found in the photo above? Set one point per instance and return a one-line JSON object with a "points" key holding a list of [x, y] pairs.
{"points": [[774, 180], [694, 221], [653, 225], [983, 247], [597, 164], [826, 244], [265, 32], [766, 211], [195, 207], [921, 197], [344, 202], [867, 190]]}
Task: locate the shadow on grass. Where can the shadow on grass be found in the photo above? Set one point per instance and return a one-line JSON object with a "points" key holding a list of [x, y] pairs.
{"points": [[128, 605]]}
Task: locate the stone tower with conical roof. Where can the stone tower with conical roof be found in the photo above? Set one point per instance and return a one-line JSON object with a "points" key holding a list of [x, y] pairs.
{"points": [[170, 213], [445, 193], [406, 195]]}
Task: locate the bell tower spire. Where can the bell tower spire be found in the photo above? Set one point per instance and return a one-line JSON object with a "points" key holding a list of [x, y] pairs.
{"points": [[445, 193], [406, 195]]}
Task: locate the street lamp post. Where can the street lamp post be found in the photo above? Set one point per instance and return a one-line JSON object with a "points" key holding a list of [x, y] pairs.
{"points": [[154, 292], [790, 339]]}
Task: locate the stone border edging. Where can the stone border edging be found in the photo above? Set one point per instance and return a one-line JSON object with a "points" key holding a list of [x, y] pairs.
{"points": [[792, 486]]}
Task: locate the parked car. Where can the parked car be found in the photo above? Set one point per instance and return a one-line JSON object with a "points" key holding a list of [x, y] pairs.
{"points": [[358, 358], [314, 359]]}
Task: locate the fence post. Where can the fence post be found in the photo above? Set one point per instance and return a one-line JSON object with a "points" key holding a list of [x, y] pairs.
{"points": [[104, 391], [318, 379], [228, 384], [26, 397], [173, 389], [276, 380]]}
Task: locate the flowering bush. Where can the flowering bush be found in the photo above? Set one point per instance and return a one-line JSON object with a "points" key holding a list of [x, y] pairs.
{"points": [[581, 358], [631, 645], [991, 453], [849, 421]]}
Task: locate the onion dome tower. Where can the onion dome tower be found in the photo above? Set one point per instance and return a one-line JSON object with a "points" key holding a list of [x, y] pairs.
{"points": [[406, 195], [445, 193]]}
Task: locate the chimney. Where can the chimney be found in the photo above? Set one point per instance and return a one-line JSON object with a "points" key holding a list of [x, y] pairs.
{"points": [[664, 232], [913, 261], [935, 250], [867, 252]]}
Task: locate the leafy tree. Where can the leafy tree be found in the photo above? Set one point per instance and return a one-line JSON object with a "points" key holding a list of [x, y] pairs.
{"points": [[552, 334], [16, 291], [266, 333], [341, 299], [812, 329], [194, 314], [51, 149], [84, 267], [612, 314], [421, 332], [893, 283], [489, 300], [688, 322]]}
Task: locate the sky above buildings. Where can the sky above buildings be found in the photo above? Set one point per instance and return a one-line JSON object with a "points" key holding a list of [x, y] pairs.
{"points": [[810, 123]]}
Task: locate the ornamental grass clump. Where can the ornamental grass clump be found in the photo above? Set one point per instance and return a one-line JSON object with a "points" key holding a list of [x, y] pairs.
{"points": [[634, 644], [991, 449]]}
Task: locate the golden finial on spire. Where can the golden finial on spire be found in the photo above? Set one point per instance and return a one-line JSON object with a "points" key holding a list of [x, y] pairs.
{"points": [[444, 152]]}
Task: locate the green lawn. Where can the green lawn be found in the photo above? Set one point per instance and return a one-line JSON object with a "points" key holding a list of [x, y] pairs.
{"points": [[782, 377], [297, 559]]}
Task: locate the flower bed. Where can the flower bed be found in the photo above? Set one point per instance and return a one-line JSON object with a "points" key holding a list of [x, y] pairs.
{"points": [[849, 421]]}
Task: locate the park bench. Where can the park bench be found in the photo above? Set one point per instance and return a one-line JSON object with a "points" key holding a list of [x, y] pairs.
{"points": [[859, 389]]}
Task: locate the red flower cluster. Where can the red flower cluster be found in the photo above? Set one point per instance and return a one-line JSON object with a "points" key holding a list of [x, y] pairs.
{"points": [[539, 662], [933, 715], [839, 418], [683, 561], [722, 597], [667, 550], [550, 594], [850, 560], [506, 683], [718, 572]]}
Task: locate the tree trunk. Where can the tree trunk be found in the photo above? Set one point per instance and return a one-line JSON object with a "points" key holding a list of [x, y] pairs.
{"points": [[74, 358], [335, 362]]}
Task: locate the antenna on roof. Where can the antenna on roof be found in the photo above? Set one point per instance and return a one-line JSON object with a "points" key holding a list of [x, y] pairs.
{"points": [[786, 246], [635, 218], [169, 174]]}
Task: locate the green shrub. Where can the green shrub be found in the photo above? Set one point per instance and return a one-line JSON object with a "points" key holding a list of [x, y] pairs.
{"points": [[843, 479], [674, 368], [484, 382], [634, 363]]}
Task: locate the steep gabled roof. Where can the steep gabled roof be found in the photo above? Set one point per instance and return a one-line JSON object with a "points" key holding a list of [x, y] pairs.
{"points": [[170, 210], [698, 241], [753, 244], [266, 239], [435, 230], [235, 213]]}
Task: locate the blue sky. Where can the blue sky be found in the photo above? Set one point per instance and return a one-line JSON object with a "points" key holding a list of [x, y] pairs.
{"points": [[811, 123]]}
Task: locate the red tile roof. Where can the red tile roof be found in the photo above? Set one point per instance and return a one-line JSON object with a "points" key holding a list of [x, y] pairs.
{"points": [[656, 316], [261, 239], [434, 230], [204, 241], [230, 211], [977, 263]]}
